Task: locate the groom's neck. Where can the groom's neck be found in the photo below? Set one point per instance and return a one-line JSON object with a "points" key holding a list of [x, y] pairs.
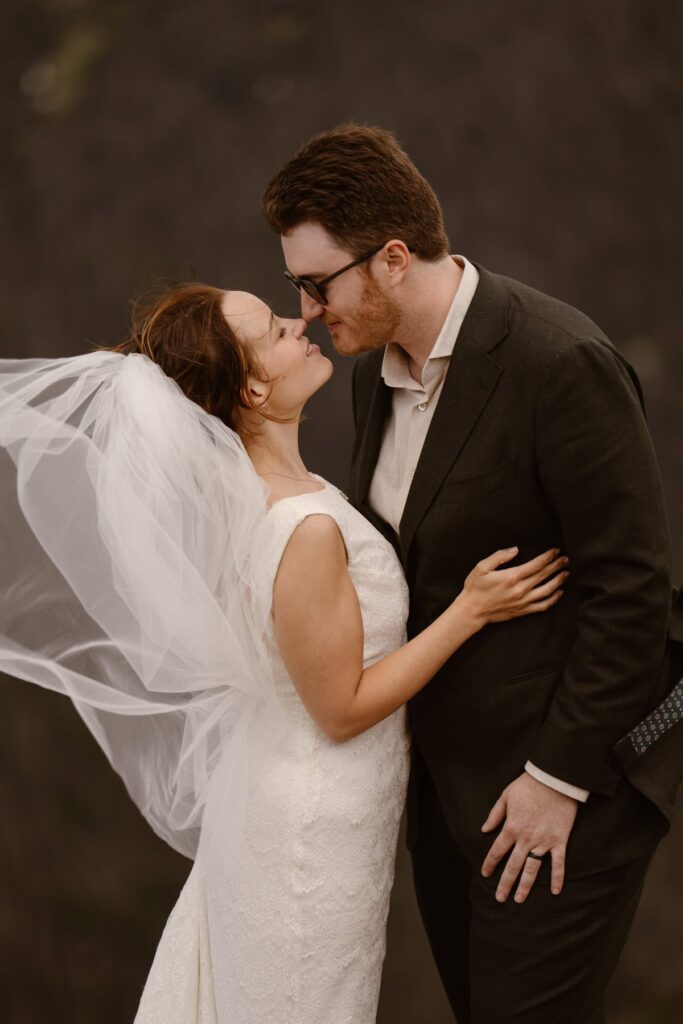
{"points": [[425, 303]]}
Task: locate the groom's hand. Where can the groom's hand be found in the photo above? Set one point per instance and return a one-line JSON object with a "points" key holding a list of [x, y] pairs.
{"points": [[535, 818]]}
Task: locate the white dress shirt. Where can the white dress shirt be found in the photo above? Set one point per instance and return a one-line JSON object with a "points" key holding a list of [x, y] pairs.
{"points": [[412, 407]]}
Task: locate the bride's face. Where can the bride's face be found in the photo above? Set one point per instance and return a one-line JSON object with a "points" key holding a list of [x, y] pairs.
{"points": [[294, 367]]}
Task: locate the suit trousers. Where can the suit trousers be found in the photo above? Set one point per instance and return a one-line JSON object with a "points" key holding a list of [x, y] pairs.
{"points": [[545, 961]]}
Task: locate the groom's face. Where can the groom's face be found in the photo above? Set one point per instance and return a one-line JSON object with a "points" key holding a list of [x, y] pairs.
{"points": [[360, 315]]}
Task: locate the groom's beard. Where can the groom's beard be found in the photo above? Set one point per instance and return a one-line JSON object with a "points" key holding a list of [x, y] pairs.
{"points": [[374, 326]]}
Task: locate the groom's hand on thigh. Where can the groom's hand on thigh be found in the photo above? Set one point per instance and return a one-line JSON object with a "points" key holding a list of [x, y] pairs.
{"points": [[535, 819]]}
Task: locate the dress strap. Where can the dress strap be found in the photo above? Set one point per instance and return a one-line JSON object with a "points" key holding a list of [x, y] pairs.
{"points": [[288, 513]]}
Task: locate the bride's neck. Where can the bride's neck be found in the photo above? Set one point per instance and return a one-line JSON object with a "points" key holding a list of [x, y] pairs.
{"points": [[274, 448]]}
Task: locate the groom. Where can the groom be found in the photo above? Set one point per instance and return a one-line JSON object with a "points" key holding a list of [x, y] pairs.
{"points": [[489, 415]]}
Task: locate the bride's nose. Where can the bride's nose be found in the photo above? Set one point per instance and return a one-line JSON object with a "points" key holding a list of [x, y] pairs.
{"points": [[300, 327]]}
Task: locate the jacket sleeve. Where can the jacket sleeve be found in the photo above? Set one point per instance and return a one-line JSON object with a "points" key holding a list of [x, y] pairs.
{"points": [[598, 471]]}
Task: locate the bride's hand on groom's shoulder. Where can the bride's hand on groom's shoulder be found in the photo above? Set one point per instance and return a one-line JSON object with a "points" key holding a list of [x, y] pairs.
{"points": [[536, 820]]}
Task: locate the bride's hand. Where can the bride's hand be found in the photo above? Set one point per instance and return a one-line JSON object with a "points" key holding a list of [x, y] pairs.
{"points": [[493, 594]]}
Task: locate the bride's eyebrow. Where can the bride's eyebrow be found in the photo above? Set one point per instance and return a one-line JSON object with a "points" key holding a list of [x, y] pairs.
{"points": [[273, 323], [269, 329]]}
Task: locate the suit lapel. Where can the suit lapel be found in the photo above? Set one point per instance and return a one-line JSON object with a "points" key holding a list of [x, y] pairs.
{"points": [[373, 432], [471, 379]]}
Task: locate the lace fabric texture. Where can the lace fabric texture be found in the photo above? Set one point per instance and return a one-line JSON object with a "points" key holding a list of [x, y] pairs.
{"points": [[294, 932]]}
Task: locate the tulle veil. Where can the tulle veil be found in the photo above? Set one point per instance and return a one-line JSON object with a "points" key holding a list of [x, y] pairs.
{"points": [[131, 535]]}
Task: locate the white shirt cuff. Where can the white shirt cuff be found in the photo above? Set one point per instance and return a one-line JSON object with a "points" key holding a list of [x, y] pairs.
{"points": [[562, 787]]}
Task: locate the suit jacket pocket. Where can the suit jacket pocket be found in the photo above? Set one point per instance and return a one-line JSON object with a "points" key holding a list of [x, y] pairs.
{"points": [[454, 490], [546, 670]]}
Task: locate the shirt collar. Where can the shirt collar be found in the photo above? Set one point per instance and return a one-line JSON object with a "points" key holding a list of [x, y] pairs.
{"points": [[395, 363]]}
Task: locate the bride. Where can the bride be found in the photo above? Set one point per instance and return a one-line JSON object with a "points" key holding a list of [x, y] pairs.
{"points": [[233, 633]]}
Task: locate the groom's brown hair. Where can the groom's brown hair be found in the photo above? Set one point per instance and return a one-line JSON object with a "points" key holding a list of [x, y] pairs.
{"points": [[362, 188]]}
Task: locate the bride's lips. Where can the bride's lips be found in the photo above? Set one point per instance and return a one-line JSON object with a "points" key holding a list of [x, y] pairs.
{"points": [[312, 349]]}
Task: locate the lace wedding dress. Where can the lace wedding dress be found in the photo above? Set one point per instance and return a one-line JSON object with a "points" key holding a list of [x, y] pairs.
{"points": [[294, 932]]}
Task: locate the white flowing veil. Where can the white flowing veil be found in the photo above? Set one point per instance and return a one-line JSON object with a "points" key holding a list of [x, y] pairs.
{"points": [[132, 524]]}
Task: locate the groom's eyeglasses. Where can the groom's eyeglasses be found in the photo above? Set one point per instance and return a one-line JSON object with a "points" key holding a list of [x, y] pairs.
{"points": [[317, 289]]}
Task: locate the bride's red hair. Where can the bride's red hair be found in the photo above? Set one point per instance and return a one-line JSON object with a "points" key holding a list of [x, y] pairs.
{"points": [[184, 330]]}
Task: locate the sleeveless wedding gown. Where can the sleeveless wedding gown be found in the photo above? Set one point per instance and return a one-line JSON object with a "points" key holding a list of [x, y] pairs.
{"points": [[296, 933]]}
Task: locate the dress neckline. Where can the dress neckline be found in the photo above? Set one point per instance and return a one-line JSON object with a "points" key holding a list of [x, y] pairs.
{"points": [[304, 494]]}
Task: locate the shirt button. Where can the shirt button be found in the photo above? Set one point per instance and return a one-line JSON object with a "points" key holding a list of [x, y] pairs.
{"points": [[422, 406]]}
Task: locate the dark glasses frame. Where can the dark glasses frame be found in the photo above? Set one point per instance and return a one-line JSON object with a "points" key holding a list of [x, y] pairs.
{"points": [[316, 290]]}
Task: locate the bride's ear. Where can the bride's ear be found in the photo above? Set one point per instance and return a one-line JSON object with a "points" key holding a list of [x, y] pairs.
{"points": [[257, 392]]}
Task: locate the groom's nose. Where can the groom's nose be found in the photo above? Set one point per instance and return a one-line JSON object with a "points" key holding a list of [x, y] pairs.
{"points": [[310, 309]]}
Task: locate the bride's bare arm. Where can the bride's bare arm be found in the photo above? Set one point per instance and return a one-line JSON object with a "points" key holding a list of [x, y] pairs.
{"points": [[320, 631]]}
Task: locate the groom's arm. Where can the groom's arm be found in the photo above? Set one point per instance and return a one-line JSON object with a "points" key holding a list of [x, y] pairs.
{"points": [[598, 470]]}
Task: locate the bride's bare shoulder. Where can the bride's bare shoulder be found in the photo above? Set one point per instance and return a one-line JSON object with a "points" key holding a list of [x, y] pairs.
{"points": [[316, 547]]}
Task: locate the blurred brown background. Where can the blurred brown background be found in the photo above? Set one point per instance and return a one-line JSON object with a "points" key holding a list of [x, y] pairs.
{"points": [[137, 138]]}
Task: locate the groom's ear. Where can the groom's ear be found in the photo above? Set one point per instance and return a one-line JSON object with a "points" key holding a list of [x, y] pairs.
{"points": [[396, 258]]}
